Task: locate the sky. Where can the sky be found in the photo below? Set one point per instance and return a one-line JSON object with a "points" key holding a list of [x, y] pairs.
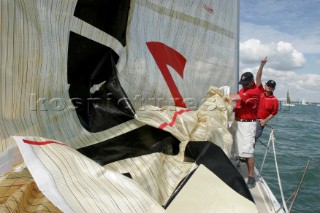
{"points": [[288, 33]]}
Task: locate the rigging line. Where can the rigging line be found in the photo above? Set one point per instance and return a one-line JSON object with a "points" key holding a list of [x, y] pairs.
{"points": [[269, 126], [278, 175], [272, 202], [299, 185], [291, 196], [262, 143], [271, 137], [267, 149], [269, 192]]}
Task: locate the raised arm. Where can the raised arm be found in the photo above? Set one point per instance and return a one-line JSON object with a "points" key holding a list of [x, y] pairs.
{"points": [[259, 73]]}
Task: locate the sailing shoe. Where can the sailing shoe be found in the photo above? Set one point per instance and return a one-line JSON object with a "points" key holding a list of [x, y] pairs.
{"points": [[251, 182]]}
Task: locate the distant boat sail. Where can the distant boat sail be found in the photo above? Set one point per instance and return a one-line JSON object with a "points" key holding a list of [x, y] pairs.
{"points": [[304, 102], [288, 101]]}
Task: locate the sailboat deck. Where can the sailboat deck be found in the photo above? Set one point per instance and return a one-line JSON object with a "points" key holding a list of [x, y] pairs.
{"points": [[261, 193]]}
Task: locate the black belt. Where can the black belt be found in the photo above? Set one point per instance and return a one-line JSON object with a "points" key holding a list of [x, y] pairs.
{"points": [[244, 120]]}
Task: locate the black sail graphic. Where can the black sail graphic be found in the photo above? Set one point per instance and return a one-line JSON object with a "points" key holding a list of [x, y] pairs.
{"points": [[91, 64]]}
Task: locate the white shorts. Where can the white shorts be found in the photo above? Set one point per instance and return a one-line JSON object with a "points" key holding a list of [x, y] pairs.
{"points": [[243, 134]]}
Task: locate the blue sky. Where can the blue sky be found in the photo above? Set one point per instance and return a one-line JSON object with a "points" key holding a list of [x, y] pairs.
{"points": [[288, 32]]}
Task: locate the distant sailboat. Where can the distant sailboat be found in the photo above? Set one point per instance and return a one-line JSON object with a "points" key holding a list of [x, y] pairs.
{"points": [[288, 101], [303, 102]]}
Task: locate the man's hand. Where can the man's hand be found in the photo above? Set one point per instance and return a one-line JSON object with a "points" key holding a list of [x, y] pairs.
{"points": [[264, 61], [263, 122], [234, 97]]}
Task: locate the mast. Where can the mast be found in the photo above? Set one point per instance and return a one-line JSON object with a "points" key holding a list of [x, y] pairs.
{"points": [[237, 43]]}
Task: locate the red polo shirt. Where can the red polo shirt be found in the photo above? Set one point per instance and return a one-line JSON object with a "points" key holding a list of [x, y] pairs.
{"points": [[247, 108], [268, 105]]}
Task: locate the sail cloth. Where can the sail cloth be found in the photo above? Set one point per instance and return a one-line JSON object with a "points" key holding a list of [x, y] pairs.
{"points": [[88, 88], [144, 183]]}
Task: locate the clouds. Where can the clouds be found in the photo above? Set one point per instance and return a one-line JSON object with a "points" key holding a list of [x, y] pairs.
{"points": [[307, 43], [292, 21], [282, 55], [284, 60]]}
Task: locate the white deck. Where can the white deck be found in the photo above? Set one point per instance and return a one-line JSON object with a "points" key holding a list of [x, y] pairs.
{"points": [[261, 193]]}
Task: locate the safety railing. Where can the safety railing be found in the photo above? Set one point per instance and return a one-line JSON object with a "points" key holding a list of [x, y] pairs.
{"points": [[295, 193]]}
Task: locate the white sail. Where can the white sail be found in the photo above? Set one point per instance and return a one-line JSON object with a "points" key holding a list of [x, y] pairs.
{"points": [[304, 102]]}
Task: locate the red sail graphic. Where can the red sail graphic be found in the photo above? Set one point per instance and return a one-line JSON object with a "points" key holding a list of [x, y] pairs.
{"points": [[162, 126], [165, 55], [41, 143]]}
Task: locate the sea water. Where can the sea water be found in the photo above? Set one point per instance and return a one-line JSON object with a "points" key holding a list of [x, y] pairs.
{"points": [[297, 138]]}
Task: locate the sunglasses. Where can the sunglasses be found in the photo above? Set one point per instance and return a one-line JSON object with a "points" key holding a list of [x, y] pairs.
{"points": [[270, 86], [245, 84]]}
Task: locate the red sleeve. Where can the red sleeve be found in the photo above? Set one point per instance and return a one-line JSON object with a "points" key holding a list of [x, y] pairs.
{"points": [[252, 94], [275, 107], [251, 97], [243, 97]]}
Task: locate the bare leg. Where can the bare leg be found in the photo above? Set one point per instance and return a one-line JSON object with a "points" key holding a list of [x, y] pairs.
{"points": [[250, 165]]}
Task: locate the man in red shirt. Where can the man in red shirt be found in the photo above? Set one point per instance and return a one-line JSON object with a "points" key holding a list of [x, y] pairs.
{"points": [[243, 128], [268, 106]]}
